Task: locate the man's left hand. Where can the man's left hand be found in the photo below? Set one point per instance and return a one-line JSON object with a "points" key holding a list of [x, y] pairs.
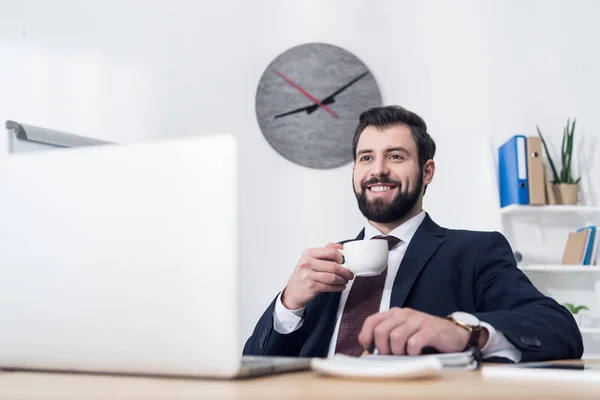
{"points": [[403, 331]]}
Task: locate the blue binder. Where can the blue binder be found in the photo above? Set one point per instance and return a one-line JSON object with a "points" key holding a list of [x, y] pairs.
{"points": [[590, 244], [512, 170]]}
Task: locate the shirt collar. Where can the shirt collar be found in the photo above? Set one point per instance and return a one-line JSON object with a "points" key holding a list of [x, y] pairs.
{"points": [[404, 232]]}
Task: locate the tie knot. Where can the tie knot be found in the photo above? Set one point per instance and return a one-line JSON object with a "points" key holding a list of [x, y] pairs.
{"points": [[392, 240]]}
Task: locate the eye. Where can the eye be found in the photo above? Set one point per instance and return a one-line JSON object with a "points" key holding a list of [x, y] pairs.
{"points": [[365, 158], [397, 157]]}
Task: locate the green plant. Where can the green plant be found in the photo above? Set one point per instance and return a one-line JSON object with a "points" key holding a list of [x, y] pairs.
{"points": [[566, 175], [574, 309]]}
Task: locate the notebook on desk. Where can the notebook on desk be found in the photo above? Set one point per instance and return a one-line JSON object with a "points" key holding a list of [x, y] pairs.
{"points": [[467, 360], [398, 367]]}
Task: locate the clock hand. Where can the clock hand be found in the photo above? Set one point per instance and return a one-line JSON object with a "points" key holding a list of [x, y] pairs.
{"points": [[327, 100], [296, 111], [314, 107], [309, 109], [340, 90], [305, 93]]}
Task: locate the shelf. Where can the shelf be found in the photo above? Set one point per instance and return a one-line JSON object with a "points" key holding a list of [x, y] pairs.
{"points": [[589, 330], [541, 211], [562, 268]]}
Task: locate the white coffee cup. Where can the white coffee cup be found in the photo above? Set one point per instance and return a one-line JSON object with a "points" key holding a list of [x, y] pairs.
{"points": [[365, 257]]}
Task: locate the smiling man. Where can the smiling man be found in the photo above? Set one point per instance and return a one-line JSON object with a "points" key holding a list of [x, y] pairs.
{"points": [[444, 290]]}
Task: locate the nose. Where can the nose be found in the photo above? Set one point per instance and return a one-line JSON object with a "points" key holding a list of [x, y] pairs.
{"points": [[380, 167]]}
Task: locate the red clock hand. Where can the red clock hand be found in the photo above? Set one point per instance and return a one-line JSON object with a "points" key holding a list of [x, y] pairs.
{"points": [[304, 92]]}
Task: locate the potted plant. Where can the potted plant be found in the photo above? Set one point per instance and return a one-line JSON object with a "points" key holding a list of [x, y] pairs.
{"points": [[564, 187], [575, 310]]}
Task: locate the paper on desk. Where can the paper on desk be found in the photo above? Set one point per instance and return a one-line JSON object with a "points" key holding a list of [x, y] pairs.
{"points": [[378, 368], [589, 373], [464, 360]]}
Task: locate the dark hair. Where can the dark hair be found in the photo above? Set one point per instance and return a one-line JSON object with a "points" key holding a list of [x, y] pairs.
{"points": [[388, 116]]}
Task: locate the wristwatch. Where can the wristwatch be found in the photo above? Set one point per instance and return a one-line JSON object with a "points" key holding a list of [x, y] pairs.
{"points": [[470, 323]]}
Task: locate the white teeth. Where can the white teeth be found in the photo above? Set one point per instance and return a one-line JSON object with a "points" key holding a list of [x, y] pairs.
{"points": [[380, 188]]}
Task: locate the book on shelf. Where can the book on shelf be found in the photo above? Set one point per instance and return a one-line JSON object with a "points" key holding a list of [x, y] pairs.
{"points": [[582, 247], [522, 178]]}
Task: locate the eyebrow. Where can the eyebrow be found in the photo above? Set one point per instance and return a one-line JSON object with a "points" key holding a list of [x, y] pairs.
{"points": [[388, 150]]}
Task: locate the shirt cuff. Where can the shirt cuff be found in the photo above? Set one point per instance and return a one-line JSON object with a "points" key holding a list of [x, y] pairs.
{"points": [[498, 346], [286, 321]]}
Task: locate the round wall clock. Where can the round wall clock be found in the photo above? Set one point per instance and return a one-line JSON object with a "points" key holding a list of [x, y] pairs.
{"points": [[308, 102]]}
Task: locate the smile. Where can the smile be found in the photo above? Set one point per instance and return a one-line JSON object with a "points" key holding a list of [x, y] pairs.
{"points": [[380, 188]]}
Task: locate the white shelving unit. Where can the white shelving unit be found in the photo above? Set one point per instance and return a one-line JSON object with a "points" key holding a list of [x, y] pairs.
{"points": [[539, 233], [562, 269], [549, 211]]}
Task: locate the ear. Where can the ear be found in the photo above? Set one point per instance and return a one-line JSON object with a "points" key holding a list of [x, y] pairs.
{"points": [[428, 172]]}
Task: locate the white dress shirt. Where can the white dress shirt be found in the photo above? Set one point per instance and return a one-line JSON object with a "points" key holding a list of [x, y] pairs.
{"points": [[287, 321]]}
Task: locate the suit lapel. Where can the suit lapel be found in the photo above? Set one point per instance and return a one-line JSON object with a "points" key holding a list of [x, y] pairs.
{"points": [[427, 239]]}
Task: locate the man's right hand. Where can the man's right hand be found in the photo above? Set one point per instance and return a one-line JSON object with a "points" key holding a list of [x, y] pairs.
{"points": [[318, 270]]}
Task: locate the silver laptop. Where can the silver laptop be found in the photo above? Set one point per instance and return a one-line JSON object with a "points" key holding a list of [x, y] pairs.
{"points": [[123, 259]]}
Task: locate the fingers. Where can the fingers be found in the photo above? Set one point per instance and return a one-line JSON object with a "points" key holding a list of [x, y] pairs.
{"points": [[400, 336], [335, 245], [397, 331], [330, 253], [405, 331], [382, 331], [365, 337], [318, 270], [327, 278], [332, 268], [418, 340], [318, 287], [332, 288], [391, 333]]}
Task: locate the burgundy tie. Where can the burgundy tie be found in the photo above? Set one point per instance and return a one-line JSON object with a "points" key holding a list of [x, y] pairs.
{"points": [[363, 300]]}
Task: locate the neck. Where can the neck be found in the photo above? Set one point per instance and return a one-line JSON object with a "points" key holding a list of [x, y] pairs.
{"points": [[387, 227]]}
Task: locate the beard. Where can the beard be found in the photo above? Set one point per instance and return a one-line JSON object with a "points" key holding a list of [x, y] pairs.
{"points": [[378, 210]]}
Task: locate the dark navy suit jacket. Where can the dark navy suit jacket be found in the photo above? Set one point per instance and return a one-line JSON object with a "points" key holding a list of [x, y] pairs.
{"points": [[443, 271]]}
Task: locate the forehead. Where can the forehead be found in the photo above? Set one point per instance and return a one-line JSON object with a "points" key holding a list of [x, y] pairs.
{"points": [[381, 139]]}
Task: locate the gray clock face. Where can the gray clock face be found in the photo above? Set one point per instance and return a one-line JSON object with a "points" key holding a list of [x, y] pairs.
{"points": [[308, 103]]}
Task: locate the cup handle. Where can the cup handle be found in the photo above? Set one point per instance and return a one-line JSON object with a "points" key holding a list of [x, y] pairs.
{"points": [[343, 257]]}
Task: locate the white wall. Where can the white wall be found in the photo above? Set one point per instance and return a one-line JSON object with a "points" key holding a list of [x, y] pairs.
{"points": [[131, 70]]}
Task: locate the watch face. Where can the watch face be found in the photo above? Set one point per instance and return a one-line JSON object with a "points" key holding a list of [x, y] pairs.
{"points": [[465, 318], [308, 102]]}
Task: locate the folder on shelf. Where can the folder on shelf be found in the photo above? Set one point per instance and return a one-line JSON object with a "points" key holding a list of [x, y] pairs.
{"points": [[575, 248], [535, 171], [512, 171], [589, 244], [595, 245]]}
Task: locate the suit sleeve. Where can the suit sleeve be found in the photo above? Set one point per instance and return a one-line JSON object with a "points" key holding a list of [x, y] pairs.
{"points": [[535, 324], [266, 341]]}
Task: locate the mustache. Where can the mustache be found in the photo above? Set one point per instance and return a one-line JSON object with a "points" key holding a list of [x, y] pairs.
{"points": [[382, 180]]}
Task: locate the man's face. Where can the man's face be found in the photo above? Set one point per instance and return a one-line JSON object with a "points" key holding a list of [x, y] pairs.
{"points": [[387, 179]]}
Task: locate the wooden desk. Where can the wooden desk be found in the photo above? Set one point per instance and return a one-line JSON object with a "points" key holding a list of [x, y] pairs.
{"points": [[304, 385]]}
